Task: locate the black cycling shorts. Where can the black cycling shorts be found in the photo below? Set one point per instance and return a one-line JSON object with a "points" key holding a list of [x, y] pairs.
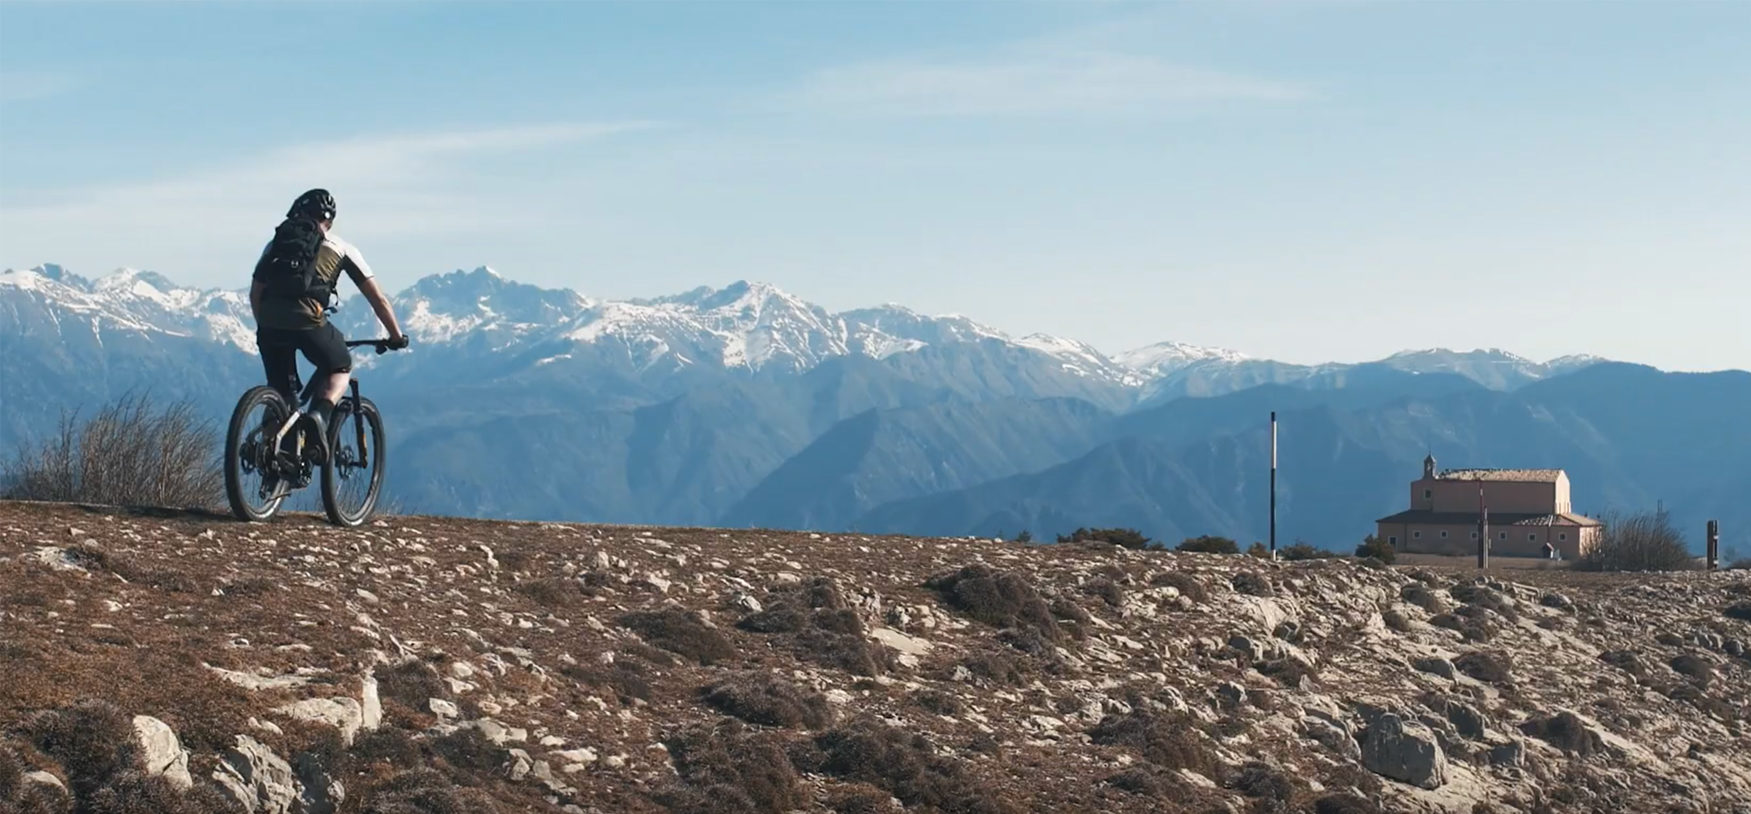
{"points": [[323, 345]]}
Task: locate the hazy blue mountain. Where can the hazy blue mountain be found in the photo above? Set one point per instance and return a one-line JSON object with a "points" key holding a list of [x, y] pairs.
{"points": [[884, 455], [1629, 437]]}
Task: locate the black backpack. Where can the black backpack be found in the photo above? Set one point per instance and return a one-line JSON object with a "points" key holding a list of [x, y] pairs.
{"points": [[289, 266]]}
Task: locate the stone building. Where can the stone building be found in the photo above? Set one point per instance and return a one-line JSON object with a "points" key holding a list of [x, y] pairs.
{"points": [[1527, 508]]}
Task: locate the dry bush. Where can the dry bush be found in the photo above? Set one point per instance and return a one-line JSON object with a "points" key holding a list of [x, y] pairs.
{"points": [[1645, 541], [388, 744], [413, 683], [1486, 666], [764, 698], [998, 667], [1395, 620], [1303, 550], [131, 453], [1263, 781], [1567, 732], [136, 792], [827, 630], [938, 702], [862, 798], [1378, 549], [1208, 545], [728, 770], [1287, 671], [680, 632], [999, 599], [909, 768], [1148, 781], [1187, 585], [425, 791], [626, 678], [1625, 660], [552, 592], [1108, 590], [1419, 595], [1121, 537], [1171, 742], [1344, 804], [1253, 583], [92, 740]]}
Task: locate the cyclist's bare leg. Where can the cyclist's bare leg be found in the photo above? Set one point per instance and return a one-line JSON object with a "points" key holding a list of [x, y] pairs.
{"points": [[335, 387]]}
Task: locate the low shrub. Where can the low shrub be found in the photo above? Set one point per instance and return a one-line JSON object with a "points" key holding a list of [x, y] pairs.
{"points": [[1646, 541], [1187, 585], [1486, 666], [909, 767], [1168, 741], [676, 630], [1208, 545], [1378, 549], [766, 699], [1123, 538]]}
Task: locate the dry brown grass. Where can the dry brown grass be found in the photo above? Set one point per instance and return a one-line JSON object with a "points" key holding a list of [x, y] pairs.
{"points": [[727, 769]]}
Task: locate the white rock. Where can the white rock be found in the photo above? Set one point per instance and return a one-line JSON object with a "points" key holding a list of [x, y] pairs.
{"points": [[577, 757], [161, 751], [344, 714], [443, 709], [370, 704], [256, 778], [462, 670], [46, 779]]}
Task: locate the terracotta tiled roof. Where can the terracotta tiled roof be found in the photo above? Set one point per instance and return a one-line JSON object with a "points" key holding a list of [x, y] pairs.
{"points": [[1514, 475]]}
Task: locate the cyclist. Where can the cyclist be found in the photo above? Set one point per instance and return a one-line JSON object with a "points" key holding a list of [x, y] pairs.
{"points": [[290, 295]]}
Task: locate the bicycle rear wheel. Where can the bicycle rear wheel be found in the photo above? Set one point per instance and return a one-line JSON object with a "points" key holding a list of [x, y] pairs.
{"points": [[252, 482], [352, 476]]}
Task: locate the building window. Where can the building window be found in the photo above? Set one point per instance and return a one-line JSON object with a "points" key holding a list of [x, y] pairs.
{"points": [[1504, 535], [1562, 535], [1428, 494], [1532, 536], [1417, 535], [1443, 534], [1474, 535], [1393, 540]]}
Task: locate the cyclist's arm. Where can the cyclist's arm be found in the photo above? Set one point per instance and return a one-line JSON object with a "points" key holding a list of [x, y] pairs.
{"points": [[380, 304], [256, 289], [356, 268]]}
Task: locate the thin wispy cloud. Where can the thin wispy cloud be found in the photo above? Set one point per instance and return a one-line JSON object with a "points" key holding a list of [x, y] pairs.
{"points": [[24, 86], [1035, 83], [401, 184]]}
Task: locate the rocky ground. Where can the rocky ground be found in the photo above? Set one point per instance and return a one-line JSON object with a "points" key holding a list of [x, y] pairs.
{"points": [[176, 662]]}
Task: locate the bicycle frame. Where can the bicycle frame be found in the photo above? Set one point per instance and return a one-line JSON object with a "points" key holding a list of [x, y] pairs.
{"points": [[309, 391]]}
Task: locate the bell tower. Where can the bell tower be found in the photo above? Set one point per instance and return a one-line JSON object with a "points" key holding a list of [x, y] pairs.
{"points": [[1429, 467]]}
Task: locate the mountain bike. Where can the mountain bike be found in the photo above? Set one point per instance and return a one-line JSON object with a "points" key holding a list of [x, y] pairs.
{"points": [[266, 460]]}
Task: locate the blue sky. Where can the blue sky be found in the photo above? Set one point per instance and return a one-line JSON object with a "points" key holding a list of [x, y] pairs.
{"points": [[1307, 181]]}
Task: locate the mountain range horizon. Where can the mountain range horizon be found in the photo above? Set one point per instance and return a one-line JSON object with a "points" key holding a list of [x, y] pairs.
{"points": [[1152, 357], [749, 406]]}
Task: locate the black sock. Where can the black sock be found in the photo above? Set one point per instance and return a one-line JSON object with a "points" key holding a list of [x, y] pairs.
{"points": [[323, 409]]}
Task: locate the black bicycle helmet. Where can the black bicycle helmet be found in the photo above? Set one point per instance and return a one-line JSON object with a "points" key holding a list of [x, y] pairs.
{"points": [[316, 203]]}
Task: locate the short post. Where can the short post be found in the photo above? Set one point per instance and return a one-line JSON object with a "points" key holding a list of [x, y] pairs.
{"points": [[1273, 484], [1714, 544]]}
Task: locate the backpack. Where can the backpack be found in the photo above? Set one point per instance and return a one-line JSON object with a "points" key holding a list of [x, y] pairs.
{"points": [[289, 265]]}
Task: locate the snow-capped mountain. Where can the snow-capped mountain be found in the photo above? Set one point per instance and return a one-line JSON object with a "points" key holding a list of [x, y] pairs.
{"points": [[484, 321], [1162, 358], [128, 301]]}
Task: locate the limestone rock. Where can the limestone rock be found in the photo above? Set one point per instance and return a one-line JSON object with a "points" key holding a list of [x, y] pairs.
{"points": [[318, 792], [161, 751], [1405, 751], [341, 713], [255, 777]]}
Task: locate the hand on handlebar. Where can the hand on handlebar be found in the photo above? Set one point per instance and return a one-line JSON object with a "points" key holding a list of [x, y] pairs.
{"points": [[396, 342]]}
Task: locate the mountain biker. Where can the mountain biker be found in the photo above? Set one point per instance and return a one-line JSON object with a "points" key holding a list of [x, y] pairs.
{"points": [[288, 325]]}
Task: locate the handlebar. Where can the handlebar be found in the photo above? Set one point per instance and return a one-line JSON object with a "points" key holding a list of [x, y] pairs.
{"points": [[382, 345]]}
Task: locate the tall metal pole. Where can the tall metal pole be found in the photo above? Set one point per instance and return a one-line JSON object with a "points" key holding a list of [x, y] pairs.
{"points": [[1714, 544], [1483, 530], [1273, 484]]}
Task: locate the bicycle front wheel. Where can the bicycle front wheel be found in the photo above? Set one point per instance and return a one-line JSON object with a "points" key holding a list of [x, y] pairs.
{"points": [[352, 476], [252, 475]]}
